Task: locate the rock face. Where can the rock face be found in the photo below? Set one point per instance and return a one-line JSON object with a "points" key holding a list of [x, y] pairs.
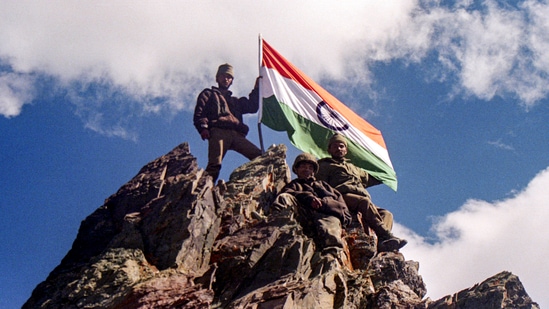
{"points": [[169, 238]]}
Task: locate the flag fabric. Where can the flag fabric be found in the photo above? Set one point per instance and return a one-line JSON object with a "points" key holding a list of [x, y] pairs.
{"points": [[293, 102]]}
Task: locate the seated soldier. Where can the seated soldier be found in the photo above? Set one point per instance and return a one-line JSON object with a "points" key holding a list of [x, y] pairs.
{"points": [[321, 208], [352, 182]]}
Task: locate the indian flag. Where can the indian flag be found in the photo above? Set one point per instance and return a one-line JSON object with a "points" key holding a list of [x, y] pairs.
{"points": [[294, 103]]}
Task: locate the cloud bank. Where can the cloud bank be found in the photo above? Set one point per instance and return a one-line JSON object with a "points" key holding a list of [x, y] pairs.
{"points": [[483, 238], [157, 54]]}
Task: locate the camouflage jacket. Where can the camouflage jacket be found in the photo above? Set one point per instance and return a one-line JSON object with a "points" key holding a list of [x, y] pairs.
{"points": [[344, 176]]}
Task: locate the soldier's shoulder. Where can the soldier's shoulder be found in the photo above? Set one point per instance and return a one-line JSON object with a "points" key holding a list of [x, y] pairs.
{"points": [[205, 91], [325, 160], [210, 90]]}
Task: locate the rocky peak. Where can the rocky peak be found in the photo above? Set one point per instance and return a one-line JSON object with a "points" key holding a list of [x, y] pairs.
{"points": [[170, 238]]}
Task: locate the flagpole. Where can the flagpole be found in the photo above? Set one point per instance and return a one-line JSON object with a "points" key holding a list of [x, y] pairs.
{"points": [[260, 58]]}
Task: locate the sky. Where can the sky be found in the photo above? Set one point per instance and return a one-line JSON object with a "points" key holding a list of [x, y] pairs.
{"points": [[91, 91]]}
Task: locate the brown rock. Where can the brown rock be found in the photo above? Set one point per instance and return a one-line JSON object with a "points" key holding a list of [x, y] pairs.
{"points": [[169, 238], [503, 290]]}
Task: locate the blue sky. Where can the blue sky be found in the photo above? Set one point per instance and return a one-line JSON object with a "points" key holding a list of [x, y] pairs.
{"points": [[91, 91]]}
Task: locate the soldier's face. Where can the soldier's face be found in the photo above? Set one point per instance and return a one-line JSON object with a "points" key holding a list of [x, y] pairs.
{"points": [[305, 170], [337, 150], [224, 80]]}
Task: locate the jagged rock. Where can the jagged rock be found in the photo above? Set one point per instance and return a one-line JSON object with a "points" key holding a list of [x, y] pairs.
{"points": [[108, 277], [172, 290], [138, 225], [503, 290], [169, 238], [389, 267], [362, 246]]}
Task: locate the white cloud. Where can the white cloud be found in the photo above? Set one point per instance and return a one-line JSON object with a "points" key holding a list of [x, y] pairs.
{"points": [[501, 145], [15, 91], [482, 239], [170, 49]]}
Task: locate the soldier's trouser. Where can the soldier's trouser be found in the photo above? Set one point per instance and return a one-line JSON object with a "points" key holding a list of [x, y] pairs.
{"points": [[327, 229], [221, 141], [372, 216]]}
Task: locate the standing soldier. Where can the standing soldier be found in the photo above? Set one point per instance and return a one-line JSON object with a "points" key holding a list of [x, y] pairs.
{"points": [[352, 182], [218, 119]]}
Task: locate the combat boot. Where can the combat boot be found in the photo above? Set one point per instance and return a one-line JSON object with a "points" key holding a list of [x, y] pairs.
{"points": [[387, 242], [391, 244]]}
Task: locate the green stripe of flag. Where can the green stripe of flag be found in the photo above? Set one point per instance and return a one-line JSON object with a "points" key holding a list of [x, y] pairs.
{"points": [[312, 138]]}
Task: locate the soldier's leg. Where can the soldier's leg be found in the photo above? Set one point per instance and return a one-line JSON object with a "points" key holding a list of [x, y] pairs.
{"points": [[372, 218], [243, 146], [362, 204], [216, 151], [325, 229], [285, 204], [328, 231], [386, 217]]}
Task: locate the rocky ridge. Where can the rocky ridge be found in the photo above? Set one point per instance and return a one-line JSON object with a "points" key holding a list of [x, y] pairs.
{"points": [[170, 238]]}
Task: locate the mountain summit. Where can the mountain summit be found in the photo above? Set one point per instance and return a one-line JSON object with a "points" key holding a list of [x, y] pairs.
{"points": [[170, 238]]}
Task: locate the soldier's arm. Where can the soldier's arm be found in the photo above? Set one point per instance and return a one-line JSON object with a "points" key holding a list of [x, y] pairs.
{"points": [[200, 118], [368, 180]]}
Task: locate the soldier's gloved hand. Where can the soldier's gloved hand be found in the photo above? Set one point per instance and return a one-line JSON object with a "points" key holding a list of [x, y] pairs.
{"points": [[205, 134], [257, 81]]}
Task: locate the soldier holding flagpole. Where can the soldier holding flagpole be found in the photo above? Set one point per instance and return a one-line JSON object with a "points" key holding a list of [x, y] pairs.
{"points": [[218, 119]]}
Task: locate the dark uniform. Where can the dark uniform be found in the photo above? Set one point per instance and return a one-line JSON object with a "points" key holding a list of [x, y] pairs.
{"points": [[328, 215]]}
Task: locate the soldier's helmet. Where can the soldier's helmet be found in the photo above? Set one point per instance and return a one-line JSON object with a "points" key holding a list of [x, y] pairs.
{"points": [[305, 157]]}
